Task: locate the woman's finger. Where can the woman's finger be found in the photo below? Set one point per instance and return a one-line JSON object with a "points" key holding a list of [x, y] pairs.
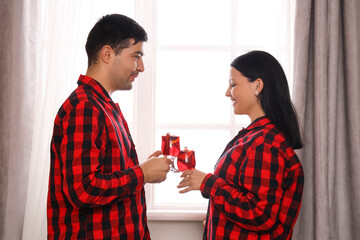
{"points": [[184, 183], [186, 173], [185, 190]]}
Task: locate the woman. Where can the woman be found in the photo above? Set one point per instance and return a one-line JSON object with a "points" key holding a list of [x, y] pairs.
{"points": [[256, 188]]}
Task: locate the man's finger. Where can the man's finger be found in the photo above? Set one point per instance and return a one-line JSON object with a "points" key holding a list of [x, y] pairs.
{"points": [[155, 154], [169, 161]]}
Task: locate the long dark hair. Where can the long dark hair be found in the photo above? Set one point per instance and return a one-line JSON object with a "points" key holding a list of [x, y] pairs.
{"points": [[275, 96]]}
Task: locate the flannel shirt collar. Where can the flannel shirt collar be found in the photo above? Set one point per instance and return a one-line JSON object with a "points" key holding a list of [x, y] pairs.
{"points": [[259, 122], [98, 88]]}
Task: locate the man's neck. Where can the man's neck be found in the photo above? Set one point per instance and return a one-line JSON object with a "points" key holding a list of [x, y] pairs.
{"points": [[99, 77]]}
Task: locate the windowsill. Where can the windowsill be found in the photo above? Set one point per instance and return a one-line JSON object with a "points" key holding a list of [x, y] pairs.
{"points": [[176, 215]]}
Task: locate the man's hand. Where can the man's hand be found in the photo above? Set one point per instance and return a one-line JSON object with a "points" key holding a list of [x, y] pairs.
{"points": [[155, 168]]}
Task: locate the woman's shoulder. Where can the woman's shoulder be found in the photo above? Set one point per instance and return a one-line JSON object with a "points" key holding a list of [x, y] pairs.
{"points": [[271, 136], [274, 137]]}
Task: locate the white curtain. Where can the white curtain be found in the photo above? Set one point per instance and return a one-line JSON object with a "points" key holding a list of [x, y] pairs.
{"points": [[18, 68], [65, 25]]}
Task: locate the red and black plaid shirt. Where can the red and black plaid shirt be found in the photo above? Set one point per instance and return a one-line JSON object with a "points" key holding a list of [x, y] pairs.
{"points": [[255, 191], [96, 188]]}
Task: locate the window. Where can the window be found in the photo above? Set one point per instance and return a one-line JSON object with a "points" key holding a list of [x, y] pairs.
{"points": [[182, 91]]}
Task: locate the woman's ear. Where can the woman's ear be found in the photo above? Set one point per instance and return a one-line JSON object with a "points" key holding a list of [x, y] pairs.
{"points": [[259, 85]]}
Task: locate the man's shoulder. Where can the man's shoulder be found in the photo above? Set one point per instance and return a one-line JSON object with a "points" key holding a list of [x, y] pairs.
{"points": [[80, 98]]}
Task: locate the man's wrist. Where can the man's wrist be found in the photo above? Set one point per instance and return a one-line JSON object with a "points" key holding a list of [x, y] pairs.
{"points": [[142, 168], [139, 175]]}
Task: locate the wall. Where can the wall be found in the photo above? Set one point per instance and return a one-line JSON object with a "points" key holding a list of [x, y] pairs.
{"points": [[176, 230]]}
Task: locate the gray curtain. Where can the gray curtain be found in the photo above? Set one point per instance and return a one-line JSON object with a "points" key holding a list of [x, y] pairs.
{"points": [[327, 97], [18, 21]]}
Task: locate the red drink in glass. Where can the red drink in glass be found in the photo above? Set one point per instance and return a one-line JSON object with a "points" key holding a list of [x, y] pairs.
{"points": [[186, 160], [174, 146], [165, 144], [170, 145]]}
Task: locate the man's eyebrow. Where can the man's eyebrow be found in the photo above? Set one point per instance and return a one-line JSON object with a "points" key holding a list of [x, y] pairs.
{"points": [[139, 52]]}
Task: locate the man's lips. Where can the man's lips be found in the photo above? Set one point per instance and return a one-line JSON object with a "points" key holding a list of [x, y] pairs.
{"points": [[133, 76]]}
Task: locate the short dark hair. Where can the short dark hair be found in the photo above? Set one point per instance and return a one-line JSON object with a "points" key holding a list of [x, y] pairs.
{"points": [[275, 96], [114, 30]]}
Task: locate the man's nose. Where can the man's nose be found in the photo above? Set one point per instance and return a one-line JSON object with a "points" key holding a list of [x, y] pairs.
{"points": [[140, 66]]}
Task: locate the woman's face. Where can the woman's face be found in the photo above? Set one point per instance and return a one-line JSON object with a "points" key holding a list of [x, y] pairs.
{"points": [[242, 93]]}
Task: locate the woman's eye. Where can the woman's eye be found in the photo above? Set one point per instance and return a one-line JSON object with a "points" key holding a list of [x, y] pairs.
{"points": [[232, 84]]}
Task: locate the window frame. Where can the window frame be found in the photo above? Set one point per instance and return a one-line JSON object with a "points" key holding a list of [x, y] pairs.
{"points": [[144, 122]]}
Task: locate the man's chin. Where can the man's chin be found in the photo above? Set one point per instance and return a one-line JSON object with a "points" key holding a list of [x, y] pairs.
{"points": [[126, 88], [130, 86]]}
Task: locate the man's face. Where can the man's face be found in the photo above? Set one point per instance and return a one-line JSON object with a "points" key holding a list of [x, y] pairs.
{"points": [[126, 66]]}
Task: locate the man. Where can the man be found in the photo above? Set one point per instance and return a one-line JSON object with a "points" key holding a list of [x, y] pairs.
{"points": [[96, 187]]}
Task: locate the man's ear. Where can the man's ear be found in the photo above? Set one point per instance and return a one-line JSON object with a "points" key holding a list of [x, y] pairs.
{"points": [[106, 54]]}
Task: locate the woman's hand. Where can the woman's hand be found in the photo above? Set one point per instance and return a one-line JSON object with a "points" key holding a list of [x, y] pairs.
{"points": [[192, 180]]}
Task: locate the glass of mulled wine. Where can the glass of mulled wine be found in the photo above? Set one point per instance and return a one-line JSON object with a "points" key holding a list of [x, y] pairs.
{"points": [[186, 160], [182, 160]]}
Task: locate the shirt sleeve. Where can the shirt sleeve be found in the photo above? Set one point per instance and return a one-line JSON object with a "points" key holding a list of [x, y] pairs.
{"points": [[82, 153], [254, 201]]}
